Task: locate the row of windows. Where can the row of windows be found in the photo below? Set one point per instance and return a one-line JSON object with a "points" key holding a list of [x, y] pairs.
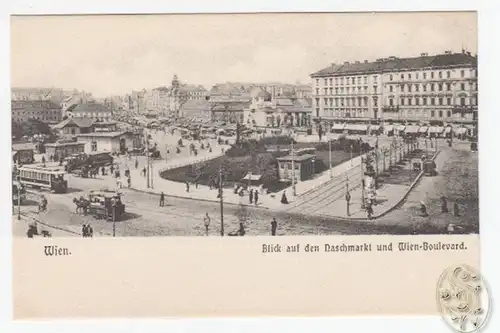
{"points": [[392, 77], [351, 80], [288, 165], [353, 101], [25, 117], [429, 87], [432, 101], [425, 75], [341, 113], [347, 90], [34, 175]]}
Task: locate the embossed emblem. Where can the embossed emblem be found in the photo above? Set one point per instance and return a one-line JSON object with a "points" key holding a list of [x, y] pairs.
{"points": [[463, 299]]}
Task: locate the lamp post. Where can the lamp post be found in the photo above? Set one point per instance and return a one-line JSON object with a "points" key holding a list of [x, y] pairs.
{"points": [[113, 209], [347, 196], [221, 203], [362, 185], [294, 190], [330, 156], [19, 197]]}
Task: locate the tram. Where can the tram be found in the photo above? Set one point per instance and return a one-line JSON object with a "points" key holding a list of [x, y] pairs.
{"points": [[43, 178]]}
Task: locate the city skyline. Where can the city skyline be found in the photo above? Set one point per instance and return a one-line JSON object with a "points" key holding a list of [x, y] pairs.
{"points": [[113, 56]]}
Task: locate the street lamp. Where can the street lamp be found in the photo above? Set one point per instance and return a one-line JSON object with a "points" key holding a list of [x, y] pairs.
{"points": [[330, 156]]}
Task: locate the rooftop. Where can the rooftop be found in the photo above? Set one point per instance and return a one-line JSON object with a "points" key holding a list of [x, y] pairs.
{"points": [[81, 122], [88, 107], [395, 64], [103, 134], [23, 146], [46, 104], [296, 158]]}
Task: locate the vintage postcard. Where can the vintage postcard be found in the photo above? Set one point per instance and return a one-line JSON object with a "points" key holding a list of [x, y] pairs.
{"points": [[314, 164]]}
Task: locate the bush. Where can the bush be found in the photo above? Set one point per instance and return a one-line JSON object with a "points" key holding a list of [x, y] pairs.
{"points": [[345, 145]]}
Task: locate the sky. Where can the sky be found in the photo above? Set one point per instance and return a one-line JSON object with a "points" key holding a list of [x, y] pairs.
{"points": [[113, 55]]}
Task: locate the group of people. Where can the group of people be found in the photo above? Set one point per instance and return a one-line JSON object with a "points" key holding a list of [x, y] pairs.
{"points": [[87, 230]]}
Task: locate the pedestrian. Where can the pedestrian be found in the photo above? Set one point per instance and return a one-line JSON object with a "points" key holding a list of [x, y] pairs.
{"points": [[43, 160], [444, 205], [111, 169], [162, 199], [241, 232], [129, 182], [144, 171], [369, 210], [284, 199], [84, 230], [136, 164], [250, 196], [103, 171], [206, 222], [196, 183], [187, 186], [256, 197], [118, 183], [90, 231], [456, 209], [274, 226]]}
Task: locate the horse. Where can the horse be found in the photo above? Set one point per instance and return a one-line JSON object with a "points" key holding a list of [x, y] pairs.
{"points": [[81, 205]]}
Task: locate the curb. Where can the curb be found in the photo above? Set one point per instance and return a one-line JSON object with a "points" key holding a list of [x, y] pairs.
{"points": [[387, 211], [407, 192], [197, 199]]}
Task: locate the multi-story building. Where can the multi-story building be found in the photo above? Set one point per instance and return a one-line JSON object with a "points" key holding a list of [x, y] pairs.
{"points": [[92, 110], [43, 110], [437, 88], [55, 95]]}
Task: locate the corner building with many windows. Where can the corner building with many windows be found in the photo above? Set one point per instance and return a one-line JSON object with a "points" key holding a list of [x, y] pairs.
{"points": [[426, 89]]}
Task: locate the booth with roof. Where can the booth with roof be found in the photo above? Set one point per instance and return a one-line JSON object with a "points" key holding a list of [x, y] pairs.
{"points": [[375, 129], [303, 165], [411, 130], [435, 131], [423, 131], [356, 129], [338, 128]]}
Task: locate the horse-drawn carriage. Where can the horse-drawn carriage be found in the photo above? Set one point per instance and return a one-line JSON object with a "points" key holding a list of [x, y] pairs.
{"points": [[86, 171], [104, 203]]}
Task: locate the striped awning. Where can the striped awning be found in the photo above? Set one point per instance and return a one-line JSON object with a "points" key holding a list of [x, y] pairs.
{"points": [[448, 129], [338, 126], [356, 127], [374, 128], [401, 127], [460, 130], [388, 128], [412, 129], [423, 129]]}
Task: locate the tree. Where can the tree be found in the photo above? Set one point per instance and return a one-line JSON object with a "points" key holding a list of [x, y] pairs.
{"points": [[238, 129]]}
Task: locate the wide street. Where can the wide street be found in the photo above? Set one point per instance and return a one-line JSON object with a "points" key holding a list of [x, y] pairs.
{"points": [[183, 216]]}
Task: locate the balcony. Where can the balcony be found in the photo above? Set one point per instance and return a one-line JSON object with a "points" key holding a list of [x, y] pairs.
{"points": [[464, 109]]}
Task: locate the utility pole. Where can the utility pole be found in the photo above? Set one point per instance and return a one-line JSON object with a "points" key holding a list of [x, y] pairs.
{"points": [[113, 207], [151, 173], [330, 156], [18, 197], [294, 190], [347, 196], [362, 184], [221, 203], [147, 159]]}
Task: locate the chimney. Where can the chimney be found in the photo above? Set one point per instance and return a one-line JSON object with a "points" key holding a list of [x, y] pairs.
{"points": [[366, 61], [346, 62]]}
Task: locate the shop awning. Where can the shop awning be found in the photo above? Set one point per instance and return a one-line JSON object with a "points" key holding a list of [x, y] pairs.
{"points": [[338, 126], [356, 127], [401, 127], [436, 129], [388, 128], [374, 128], [412, 129], [448, 129], [423, 129], [460, 130]]}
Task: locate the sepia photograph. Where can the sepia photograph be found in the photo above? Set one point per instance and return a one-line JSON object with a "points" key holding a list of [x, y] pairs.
{"points": [[244, 124]]}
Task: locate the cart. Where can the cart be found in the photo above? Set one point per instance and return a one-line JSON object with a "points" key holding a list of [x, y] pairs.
{"points": [[106, 204]]}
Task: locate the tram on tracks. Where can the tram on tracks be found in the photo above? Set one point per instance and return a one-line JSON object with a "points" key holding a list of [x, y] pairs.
{"points": [[37, 177]]}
